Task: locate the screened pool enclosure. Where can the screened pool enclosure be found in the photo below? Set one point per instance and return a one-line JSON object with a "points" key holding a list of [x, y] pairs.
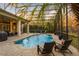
{"points": [[58, 18]]}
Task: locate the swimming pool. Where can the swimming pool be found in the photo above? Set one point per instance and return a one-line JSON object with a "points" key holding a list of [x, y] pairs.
{"points": [[35, 40]]}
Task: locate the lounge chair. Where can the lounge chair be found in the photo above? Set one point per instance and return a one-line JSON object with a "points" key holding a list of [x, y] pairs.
{"points": [[47, 50], [63, 47]]}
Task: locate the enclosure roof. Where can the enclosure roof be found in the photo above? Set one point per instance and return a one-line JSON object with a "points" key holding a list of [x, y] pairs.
{"points": [[48, 13]]}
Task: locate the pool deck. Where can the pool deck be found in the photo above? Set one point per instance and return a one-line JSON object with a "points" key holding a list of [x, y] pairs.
{"points": [[8, 48]]}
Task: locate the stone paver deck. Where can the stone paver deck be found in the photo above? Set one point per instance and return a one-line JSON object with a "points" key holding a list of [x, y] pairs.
{"points": [[8, 48]]}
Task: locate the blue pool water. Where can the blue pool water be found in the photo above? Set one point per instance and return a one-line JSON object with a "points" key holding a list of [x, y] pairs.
{"points": [[35, 40]]}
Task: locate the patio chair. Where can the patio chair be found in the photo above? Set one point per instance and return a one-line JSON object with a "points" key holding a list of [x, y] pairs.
{"points": [[64, 47], [47, 50]]}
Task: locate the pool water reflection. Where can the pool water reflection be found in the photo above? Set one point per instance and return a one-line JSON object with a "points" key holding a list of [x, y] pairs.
{"points": [[35, 40]]}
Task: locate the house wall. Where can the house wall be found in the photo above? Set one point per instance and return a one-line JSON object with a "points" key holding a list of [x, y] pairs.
{"points": [[7, 24]]}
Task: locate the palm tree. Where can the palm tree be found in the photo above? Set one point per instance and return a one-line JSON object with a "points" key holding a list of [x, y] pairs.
{"points": [[41, 14], [75, 9], [32, 14]]}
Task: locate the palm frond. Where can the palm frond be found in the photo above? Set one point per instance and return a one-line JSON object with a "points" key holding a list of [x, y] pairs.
{"points": [[32, 13], [75, 9], [41, 12]]}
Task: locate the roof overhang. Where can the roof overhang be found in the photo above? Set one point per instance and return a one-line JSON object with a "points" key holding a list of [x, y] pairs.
{"points": [[8, 14]]}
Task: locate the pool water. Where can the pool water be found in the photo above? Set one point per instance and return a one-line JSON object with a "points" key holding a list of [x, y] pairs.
{"points": [[35, 40]]}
